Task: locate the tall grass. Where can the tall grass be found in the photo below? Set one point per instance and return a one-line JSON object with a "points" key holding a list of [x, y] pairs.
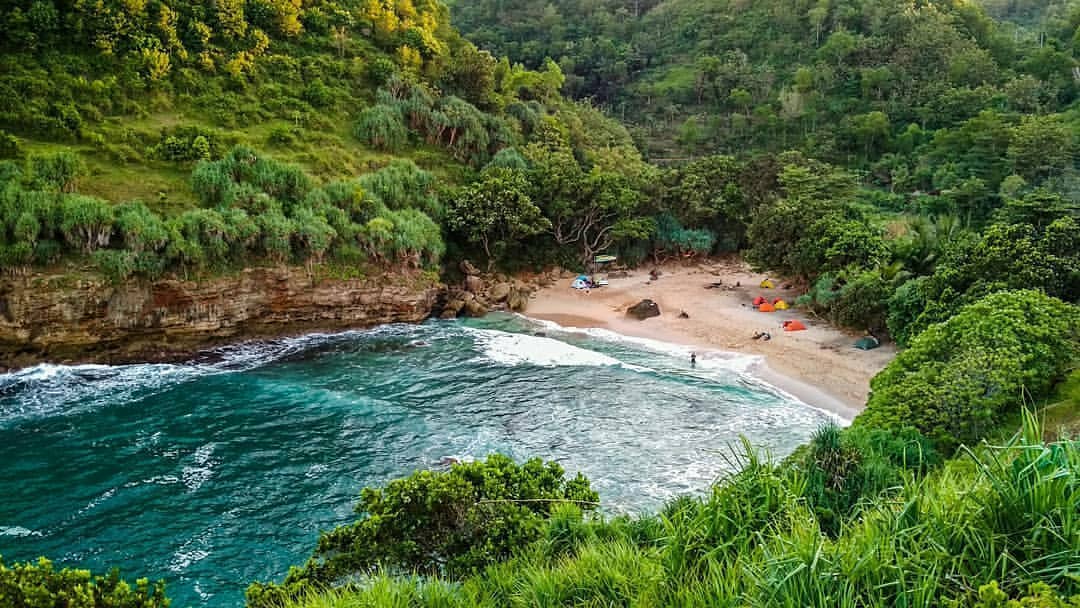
{"points": [[1008, 513]]}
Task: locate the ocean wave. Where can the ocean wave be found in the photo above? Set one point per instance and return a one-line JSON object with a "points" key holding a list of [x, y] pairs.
{"points": [[48, 390], [709, 359], [18, 531], [711, 363], [516, 349]]}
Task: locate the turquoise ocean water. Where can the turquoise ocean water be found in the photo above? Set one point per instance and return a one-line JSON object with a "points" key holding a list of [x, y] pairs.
{"points": [[223, 471]]}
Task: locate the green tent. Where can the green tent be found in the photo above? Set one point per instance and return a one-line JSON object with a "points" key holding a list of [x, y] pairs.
{"points": [[603, 259], [867, 343]]}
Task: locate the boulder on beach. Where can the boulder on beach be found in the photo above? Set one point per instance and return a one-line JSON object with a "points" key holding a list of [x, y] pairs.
{"points": [[474, 284], [476, 308], [452, 308], [643, 310], [518, 299], [499, 292], [468, 268]]}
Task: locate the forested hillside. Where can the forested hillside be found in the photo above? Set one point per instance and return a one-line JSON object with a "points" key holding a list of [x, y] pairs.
{"points": [[183, 136], [862, 83], [912, 165]]}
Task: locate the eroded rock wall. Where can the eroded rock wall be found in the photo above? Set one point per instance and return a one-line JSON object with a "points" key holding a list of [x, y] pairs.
{"points": [[67, 318]]}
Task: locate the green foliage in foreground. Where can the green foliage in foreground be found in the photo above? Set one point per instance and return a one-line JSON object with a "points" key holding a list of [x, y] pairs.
{"points": [[996, 523], [450, 523], [39, 585], [960, 377]]}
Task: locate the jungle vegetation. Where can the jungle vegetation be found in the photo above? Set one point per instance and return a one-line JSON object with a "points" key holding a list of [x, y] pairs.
{"points": [[912, 164]]}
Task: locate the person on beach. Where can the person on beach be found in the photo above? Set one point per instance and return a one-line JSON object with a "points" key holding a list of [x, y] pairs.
{"points": [[693, 359]]}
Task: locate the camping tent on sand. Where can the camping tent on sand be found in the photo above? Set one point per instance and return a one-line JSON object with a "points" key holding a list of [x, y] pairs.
{"points": [[867, 343]]}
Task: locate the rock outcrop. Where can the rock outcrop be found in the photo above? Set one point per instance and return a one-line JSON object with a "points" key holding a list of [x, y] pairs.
{"points": [[83, 318], [478, 293], [643, 310]]}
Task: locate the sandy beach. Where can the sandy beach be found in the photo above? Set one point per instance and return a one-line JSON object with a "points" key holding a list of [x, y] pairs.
{"points": [[820, 366]]}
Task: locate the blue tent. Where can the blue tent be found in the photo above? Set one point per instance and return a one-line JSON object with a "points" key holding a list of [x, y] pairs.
{"points": [[581, 282]]}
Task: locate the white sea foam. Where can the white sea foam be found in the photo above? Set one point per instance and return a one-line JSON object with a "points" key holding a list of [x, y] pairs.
{"points": [[707, 358], [49, 390], [722, 363], [195, 475], [18, 531], [516, 349], [106, 495]]}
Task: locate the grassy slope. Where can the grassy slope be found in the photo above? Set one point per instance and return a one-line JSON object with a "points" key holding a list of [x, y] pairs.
{"points": [[164, 186]]}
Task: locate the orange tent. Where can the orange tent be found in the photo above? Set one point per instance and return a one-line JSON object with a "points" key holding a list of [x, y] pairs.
{"points": [[758, 301], [795, 325], [766, 307]]}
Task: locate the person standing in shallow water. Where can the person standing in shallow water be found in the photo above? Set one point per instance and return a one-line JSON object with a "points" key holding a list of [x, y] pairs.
{"points": [[693, 359]]}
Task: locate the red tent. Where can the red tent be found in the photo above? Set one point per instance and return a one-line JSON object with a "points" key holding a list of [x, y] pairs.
{"points": [[758, 301], [794, 325], [766, 307]]}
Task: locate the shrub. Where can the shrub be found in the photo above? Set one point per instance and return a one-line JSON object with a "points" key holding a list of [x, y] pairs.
{"points": [[417, 239], [9, 145], [318, 94], [846, 469], [282, 136], [314, 233], [117, 266], [379, 70], [211, 182], [860, 302], [508, 158], [381, 127], [905, 305], [86, 222], [58, 171], [402, 184], [141, 229], [277, 233], [1005, 256], [451, 523], [1039, 595], [959, 377], [187, 144], [39, 585]]}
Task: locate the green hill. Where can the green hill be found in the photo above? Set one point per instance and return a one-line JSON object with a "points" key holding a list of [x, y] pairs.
{"points": [[912, 164], [842, 80], [119, 102]]}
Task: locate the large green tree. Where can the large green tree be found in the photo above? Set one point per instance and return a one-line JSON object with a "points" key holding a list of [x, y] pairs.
{"points": [[496, 211]]}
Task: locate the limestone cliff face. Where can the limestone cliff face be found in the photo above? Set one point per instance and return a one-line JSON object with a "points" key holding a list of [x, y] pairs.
{"points": [[83, 318]]}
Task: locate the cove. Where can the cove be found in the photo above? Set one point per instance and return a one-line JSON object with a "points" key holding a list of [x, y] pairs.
{"points": [[222, 471]]}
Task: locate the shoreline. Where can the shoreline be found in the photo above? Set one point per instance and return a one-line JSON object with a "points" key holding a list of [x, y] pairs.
{"points": [[819, 366], [811, 395]]}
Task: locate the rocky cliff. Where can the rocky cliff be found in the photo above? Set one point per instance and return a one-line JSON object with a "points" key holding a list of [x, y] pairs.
{"points": [[83, 318]]}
